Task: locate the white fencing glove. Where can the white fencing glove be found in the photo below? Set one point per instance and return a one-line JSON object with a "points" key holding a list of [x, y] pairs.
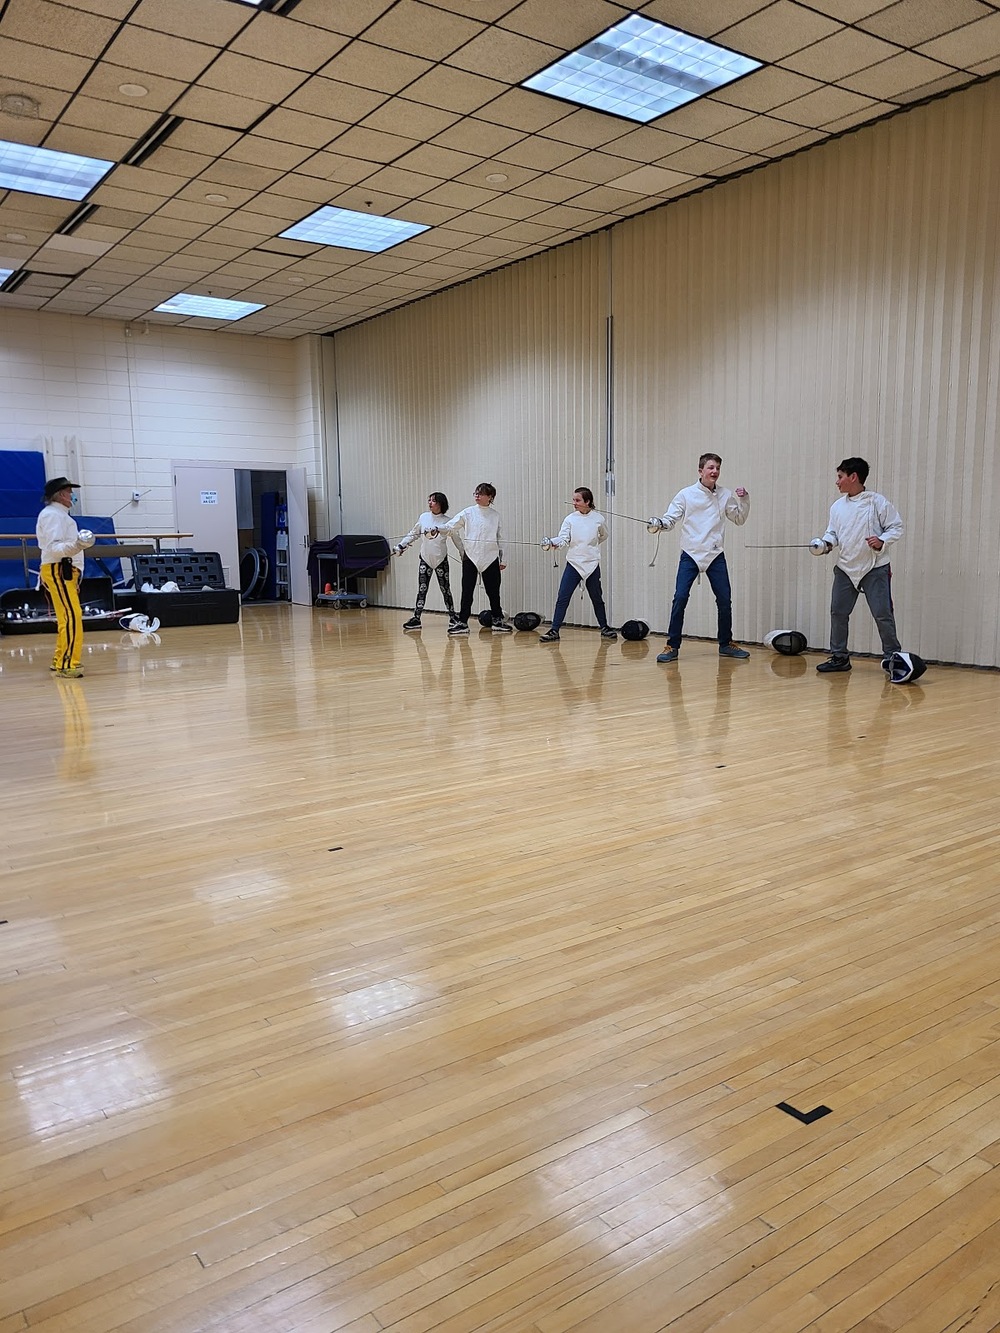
{"points": [[655, 525], [819, 547], [85, 538]]}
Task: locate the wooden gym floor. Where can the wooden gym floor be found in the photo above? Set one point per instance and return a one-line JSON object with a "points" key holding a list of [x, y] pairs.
{"points": [[367, 982]]}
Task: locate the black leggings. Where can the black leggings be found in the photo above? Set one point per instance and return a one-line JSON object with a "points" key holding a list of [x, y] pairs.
{"points": [[444, 583], [491, 586]]}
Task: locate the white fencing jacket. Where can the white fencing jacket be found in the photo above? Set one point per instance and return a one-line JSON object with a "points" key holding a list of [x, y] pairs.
{"points": [[853, 518], [58, 536], [702, 514], [583, 534], [433, 550], [480, 529]]}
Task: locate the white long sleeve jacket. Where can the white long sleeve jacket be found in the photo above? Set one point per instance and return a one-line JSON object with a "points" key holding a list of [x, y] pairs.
{"points": [[583, 534], [855, 518], [58, 536], [433, 550], [481, 538], [702, 515]]}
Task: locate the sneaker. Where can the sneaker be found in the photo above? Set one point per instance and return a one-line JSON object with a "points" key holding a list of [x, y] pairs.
{"points": [[732, 650], [501, 627], [669, 654], [550, 636], [452, 619], [835, 663], [459, 627], [69, 673], [608, 633], [414, 623]]}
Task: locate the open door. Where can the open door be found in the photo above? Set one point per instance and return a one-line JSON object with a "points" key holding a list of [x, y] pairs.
{"points": [[205, 505], [298, 534]]}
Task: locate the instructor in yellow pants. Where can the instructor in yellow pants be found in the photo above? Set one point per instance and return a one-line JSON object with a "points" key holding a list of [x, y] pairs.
{"points": [[62, 545]]}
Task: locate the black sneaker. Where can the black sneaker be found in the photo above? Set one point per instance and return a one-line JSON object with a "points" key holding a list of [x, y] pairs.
{"points": [[550, 636], [412, 624], [835, 663], [608, 633], [459, 627], [501, 627]]}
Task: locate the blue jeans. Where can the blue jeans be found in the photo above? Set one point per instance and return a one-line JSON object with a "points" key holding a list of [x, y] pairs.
{"points": [[568, 585], [718, 577]]}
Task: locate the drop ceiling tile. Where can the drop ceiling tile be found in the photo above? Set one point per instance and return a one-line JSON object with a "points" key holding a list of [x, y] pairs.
{"points": [[214, 23], [480, 176], [375, 68], [551, 189], [849, 11], [190, 211], [805, 139], [986, 66], [459, 197], [112, 197], [297, 45], [947, 82], [528, 233], [178, 162], [910, 22], [328, 97], [482, 223], [118, 217], [92, 232], [755, 135], [239, 74], [893, 78], [648, 144], [66, 138], [846, 52], [261, 152], [778, 30], [519, 206], [478, 137], [336, 170], [361, 199], [147, 180], [859, 118], [317, 190], [399, 115], [703, 159], [520, 109], [159, 53], [49, 69], [588, 129], [444, 163], [346, 16], [605, 199], [565, 23], [407, 184], [225, 173], [209, 139], [703, 20], [504, 55], [454, 90], [597, 168], [819, 108], [967, 46], [567, 216], [650, 180], [538, 154], [433, 214], [423, 30], [766, 89], [223, 109], [702, 119], [57, 28], [373, 145], [197, 192]]}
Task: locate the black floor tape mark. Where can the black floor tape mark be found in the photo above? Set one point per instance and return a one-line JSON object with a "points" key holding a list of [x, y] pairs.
{"points": [[807, 1117]]}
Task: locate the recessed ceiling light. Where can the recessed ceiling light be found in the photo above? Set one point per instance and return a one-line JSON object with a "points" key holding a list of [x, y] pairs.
{"points": [[95, 289], [353, 231], [297, 282], [44, 171], [15, 236], [207, 307], [132, 90], [496, 178], [641, 70], [217, 198]]}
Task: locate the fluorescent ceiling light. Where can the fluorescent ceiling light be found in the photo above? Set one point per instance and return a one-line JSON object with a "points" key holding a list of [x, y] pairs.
{"points": [[353, 231], [5, 274], [207, 307], [44, 171], [641, 70]]}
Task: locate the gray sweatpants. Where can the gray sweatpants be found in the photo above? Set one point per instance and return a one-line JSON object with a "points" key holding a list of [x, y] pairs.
{"points": [[876, 586]]}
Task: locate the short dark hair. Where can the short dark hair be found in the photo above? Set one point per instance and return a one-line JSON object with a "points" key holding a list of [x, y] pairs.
{"points": [[442, 500], [857, 465], [586, 493], [485, 488], [705, 458]]}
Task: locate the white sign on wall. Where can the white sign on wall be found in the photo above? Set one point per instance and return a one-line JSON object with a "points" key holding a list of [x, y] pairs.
{"points": [[210, 497]]}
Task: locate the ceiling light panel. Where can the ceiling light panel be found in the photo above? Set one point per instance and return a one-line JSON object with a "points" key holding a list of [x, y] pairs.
{"points": [[353, 231], [44, 171], [207, 307], [641, 70]]}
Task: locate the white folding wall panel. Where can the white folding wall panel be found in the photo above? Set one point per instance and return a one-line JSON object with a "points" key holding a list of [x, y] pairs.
{"points": [[841, 302], [502, 380]]}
